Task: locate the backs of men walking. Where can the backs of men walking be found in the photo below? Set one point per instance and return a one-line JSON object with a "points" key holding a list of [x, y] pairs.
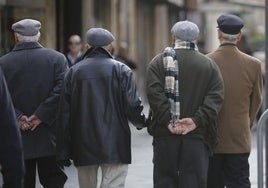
{"points": [[242, 98], [99, 98], [34, 77], [185, 93]]}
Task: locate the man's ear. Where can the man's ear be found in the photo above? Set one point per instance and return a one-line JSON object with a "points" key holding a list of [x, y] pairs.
{"points": [[239, 36], [40, 37], [87, 46], [111, 48], [16, 38], [219, 34]]}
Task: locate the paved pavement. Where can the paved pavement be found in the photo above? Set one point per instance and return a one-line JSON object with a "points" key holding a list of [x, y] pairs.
{"points": [[140, 174], [140, 171]]}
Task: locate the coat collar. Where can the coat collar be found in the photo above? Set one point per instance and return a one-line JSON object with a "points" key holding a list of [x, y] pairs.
{"points": [[97, 51], [227, 44], [27, 45]]}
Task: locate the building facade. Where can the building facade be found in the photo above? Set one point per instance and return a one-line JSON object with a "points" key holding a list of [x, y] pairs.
{"points": [[143, 24]]}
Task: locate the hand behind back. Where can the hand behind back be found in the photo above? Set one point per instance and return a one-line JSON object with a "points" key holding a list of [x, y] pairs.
{"points": [[29, 123]]}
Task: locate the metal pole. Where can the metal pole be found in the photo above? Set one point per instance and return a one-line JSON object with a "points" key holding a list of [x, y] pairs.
{"points": [[266, 87], [260, 127]]}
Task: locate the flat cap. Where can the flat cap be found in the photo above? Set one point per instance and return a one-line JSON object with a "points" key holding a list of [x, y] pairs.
{"points": [[27, 27], [97, 37], [185, 30], [230, 24]]}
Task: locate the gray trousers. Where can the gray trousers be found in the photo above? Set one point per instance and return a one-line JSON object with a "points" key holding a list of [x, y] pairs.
{"points": [[113, 175]]}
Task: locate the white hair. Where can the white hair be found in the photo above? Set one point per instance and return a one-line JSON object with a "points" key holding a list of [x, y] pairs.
{"points": [[22, 38], [106, 47], [229, 37]]}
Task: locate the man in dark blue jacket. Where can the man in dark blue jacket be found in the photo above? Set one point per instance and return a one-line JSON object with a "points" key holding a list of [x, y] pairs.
{"points": [[11, 157], [99, 98], [34, 77]]}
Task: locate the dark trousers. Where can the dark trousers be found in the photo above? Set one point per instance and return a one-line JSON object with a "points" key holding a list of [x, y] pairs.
{"points": [[229, 170], [50, 174], [180, 163]]}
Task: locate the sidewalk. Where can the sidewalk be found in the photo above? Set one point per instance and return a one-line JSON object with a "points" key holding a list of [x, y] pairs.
{"points": [[140, 174]]}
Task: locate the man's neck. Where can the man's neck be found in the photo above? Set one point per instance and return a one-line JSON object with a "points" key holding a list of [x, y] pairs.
{"points": [[74, 54], [222, 42]]}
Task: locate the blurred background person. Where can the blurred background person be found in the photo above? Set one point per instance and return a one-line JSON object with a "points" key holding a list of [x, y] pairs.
{"points": [[11, 156], [75, 53], [124, 57]]}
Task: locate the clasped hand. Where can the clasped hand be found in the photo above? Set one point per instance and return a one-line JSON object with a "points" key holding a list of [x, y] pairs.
{"points": [[29, 123], [182, 126]]}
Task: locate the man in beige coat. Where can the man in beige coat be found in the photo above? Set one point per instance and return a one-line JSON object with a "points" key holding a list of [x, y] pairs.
{"points": [[242, 98]]}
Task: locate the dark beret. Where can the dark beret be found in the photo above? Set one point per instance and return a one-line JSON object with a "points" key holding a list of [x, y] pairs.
{"points": [[230, 24], [27, 27], [97, 37]]}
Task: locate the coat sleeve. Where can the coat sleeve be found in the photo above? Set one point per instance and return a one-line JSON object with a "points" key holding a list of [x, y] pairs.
{"points": [[207, 114], [48, 109], [158, 101], [208, 111], [63, 126], [256, 96], [131, 100], [11, 157]]}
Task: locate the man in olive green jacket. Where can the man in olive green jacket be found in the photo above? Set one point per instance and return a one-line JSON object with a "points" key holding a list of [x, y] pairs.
{"points": [[181, 147], [242, 98]]}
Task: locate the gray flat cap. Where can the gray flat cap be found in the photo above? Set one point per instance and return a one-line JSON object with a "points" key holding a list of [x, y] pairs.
{"points": [[27, 27], [185, 30], [97, 37]]}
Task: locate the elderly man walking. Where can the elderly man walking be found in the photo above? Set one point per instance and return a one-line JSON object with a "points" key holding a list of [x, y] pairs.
{"points": [[34, 77], [185, 93], [242, 77], [99, 98]]}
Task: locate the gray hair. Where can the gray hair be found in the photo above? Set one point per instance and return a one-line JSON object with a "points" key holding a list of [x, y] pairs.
{"points": [[229, 37], [23, 38], [106, 47]]}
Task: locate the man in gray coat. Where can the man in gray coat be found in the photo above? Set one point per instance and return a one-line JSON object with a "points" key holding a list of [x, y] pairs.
{"points": [[34, 77]]}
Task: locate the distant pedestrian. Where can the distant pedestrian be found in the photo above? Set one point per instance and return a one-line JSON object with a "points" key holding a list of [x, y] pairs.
{"points": [[75, 53], [242, 77], [185, 93], [11, 156], [124, 56], [99, 99], [34, 77]]}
